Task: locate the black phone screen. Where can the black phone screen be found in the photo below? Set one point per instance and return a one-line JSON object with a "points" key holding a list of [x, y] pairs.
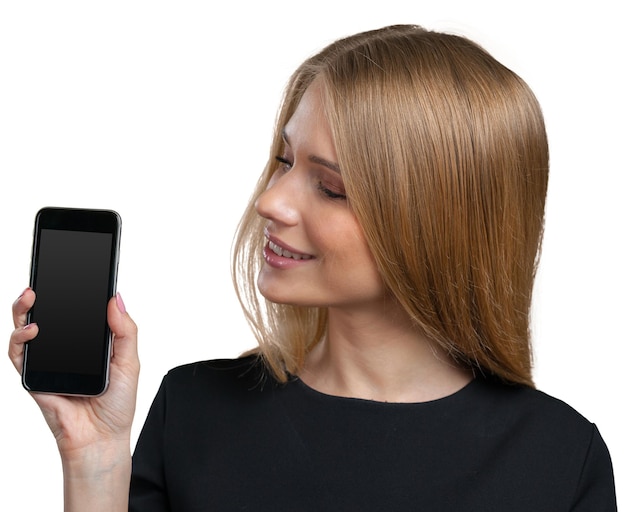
{"points": [[73, 276], [72, 295]]}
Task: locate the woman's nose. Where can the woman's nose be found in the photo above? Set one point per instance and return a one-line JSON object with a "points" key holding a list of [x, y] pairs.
{"points": [[279, 202]]}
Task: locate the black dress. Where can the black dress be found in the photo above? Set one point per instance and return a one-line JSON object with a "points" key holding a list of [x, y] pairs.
{"points": [[223, 436]]}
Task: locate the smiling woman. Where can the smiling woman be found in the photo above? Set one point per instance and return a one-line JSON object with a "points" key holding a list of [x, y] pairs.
{"points": [[386, 266], [444, 156], [306, 213]]}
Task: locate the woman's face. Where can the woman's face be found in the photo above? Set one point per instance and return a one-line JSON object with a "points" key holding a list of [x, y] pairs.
{"points": [[316, 254]]}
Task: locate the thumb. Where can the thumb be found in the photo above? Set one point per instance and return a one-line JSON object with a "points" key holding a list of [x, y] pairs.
{"points": [[123, 328]]}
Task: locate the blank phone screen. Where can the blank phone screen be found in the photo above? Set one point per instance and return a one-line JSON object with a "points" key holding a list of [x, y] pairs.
{"points": [[72, 287]]}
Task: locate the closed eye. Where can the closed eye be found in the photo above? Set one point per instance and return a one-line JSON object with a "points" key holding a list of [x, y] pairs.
{"points": [[284, 164], [329, 193]]}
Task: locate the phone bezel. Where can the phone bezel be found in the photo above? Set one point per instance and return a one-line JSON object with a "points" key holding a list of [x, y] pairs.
{"points": [[83, 220]]}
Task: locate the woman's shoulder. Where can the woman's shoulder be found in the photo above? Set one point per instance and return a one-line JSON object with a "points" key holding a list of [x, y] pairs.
{"points": [[533, 411], [550, 431], [219, 367], [225, 378]]}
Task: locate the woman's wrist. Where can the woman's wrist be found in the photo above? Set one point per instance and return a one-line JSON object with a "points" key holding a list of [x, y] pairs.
{"points": [[97, 477]]}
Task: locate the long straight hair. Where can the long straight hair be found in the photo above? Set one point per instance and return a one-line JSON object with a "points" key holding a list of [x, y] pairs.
{"points": [[444, 158]]}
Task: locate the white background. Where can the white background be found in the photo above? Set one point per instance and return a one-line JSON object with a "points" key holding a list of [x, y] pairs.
{"points": [[163, 111]]}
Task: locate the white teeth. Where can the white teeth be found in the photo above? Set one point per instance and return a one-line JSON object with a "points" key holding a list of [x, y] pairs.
{"points": [[287, 254], [275, 248]]}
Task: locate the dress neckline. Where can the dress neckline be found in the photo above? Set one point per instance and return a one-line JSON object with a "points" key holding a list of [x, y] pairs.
{"points": [[460, 394]]}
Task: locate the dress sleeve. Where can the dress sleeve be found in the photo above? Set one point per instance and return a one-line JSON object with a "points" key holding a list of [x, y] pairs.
{"points": [[147, 487], [596, 487]]}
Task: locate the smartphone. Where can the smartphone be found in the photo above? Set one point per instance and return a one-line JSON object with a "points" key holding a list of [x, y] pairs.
{"points": [[73, 272]]}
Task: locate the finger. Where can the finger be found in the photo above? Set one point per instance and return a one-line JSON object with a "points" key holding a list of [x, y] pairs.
{"points": [[20, 336], [22, 306], [124, 331]]}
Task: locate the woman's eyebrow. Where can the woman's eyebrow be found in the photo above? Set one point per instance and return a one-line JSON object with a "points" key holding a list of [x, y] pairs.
{"points": [[313, 158], [321, 161]]}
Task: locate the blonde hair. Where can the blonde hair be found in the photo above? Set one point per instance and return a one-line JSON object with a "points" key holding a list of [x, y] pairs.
{"points": [[444, 158]]}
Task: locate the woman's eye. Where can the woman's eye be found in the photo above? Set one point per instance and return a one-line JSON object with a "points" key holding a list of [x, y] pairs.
{"points": [[329, 193], [283, 163]]}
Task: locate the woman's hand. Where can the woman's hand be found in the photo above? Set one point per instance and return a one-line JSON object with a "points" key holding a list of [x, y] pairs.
{"points": [[93, 434], [80, 423]]}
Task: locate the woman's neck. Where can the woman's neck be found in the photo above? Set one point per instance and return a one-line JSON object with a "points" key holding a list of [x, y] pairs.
{"points": [[381, 357]]}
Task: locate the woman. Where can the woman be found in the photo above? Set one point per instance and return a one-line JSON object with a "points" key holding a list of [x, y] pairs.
{"points": [[393, 241]]}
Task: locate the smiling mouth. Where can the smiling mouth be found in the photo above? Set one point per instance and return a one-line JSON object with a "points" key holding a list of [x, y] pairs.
{"points": [[277, 249]]}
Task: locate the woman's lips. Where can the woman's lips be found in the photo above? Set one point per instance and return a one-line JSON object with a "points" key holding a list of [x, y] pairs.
{"points": [[281, 251], [280, 255]]}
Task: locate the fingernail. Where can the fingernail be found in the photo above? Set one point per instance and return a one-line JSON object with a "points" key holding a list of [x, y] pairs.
{"points": [[28, 326], [120, 303]]}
